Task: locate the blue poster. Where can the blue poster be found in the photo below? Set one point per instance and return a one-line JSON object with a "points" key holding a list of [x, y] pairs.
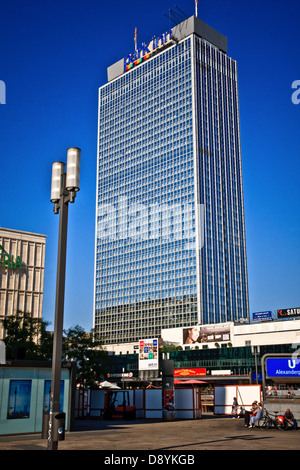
{"points": [[19, 399], [47, 395], [283, 367]]}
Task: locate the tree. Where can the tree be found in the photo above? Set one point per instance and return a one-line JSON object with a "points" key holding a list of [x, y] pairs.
{"points": [[88, 353], [26, 337], [170, 347]]}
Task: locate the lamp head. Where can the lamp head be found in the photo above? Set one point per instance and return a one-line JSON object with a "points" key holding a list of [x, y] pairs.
{"points": [[58, 169], [73, 169]]}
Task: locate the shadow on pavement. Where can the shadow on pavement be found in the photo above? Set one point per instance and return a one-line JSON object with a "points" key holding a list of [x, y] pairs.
{"points": [[97, 424]]}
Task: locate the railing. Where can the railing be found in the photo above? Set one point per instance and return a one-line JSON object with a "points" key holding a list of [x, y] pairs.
{"points": [[283, 394]]}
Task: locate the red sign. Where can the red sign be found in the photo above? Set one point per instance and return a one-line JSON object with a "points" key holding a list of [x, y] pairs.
{"points": [[189, 372]]}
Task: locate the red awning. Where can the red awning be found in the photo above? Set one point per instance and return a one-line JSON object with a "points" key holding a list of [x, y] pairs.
{"points": [[188, 382]]}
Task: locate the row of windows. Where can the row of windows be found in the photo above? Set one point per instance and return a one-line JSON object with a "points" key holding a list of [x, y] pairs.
{"points": [[221, 185]]}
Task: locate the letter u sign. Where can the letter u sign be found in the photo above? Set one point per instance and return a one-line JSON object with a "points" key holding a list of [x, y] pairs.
{"points": [[292, 363], [2, 92]]}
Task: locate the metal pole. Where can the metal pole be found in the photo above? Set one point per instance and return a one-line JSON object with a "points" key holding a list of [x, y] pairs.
{"points": [[256, 368], [59, 312]]}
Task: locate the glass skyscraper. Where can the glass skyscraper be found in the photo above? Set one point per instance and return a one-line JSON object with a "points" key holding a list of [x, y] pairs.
{"points": [[170, 235]]}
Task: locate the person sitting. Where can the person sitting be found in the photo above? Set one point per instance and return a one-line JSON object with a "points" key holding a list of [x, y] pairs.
{"points": [[256, 416], [249, 413], [289, 418]]}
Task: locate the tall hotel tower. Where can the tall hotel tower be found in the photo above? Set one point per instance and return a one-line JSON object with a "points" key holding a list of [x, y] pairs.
{"points": [[170, 234]]}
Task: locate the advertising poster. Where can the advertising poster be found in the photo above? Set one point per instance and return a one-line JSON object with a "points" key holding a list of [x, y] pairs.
{"points": [[148, 354], [206, 334], [19, 399], [168, 405], [47, 395]]}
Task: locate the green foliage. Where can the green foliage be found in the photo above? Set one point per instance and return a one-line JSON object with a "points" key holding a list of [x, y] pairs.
{"points": [[171, 347], [27, 335], [88, 353]]}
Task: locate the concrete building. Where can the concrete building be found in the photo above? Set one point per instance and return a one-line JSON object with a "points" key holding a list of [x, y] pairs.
{"points": [[22, 266], [170, 237]]}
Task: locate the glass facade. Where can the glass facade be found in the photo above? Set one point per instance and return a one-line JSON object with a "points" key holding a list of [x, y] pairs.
{"points": [[223, 255], [240, 359], [168, 146]]}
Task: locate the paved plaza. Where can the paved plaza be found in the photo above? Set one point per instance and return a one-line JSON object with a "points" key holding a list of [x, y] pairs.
{"points": [[179, 437]]}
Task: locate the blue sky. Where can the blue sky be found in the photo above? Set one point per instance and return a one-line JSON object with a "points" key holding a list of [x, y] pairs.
{"points": [[54, 55]]}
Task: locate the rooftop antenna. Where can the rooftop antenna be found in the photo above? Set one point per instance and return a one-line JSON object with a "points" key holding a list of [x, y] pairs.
{"points": [[174, 14], [182, 12], [196, 8], [135, 39], [178, 18], [176, 22]]}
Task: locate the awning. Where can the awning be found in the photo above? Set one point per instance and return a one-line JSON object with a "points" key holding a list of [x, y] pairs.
{"points": [[189, 382], [108, 385]]}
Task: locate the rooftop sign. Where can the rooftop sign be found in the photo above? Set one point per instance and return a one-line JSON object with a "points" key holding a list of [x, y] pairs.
{"points": [[288, 312], [262, 316], [7, 261], [146, 50]]}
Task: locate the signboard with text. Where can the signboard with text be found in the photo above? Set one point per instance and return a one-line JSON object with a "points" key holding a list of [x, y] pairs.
{"points": [[148, 354], [189, 372], [262, 316], [144, 52], [283, 367], [288, 312], [8, 261]]}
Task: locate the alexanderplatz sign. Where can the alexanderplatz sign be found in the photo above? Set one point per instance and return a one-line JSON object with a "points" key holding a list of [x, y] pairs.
{"points": [[283, 367]]}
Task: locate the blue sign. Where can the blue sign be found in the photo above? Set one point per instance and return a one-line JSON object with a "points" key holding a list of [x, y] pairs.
{"points": [[261, 316], [283, 367], [259, 377]]}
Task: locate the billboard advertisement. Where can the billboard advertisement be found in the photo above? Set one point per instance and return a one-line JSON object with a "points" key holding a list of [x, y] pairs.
{"points": [[283, 367], [206, 333], [288, 312], [148, 354], [262, 316]]}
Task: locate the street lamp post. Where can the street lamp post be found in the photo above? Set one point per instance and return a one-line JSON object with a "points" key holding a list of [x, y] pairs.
{"points": [[63, 190], [255, 350]]}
